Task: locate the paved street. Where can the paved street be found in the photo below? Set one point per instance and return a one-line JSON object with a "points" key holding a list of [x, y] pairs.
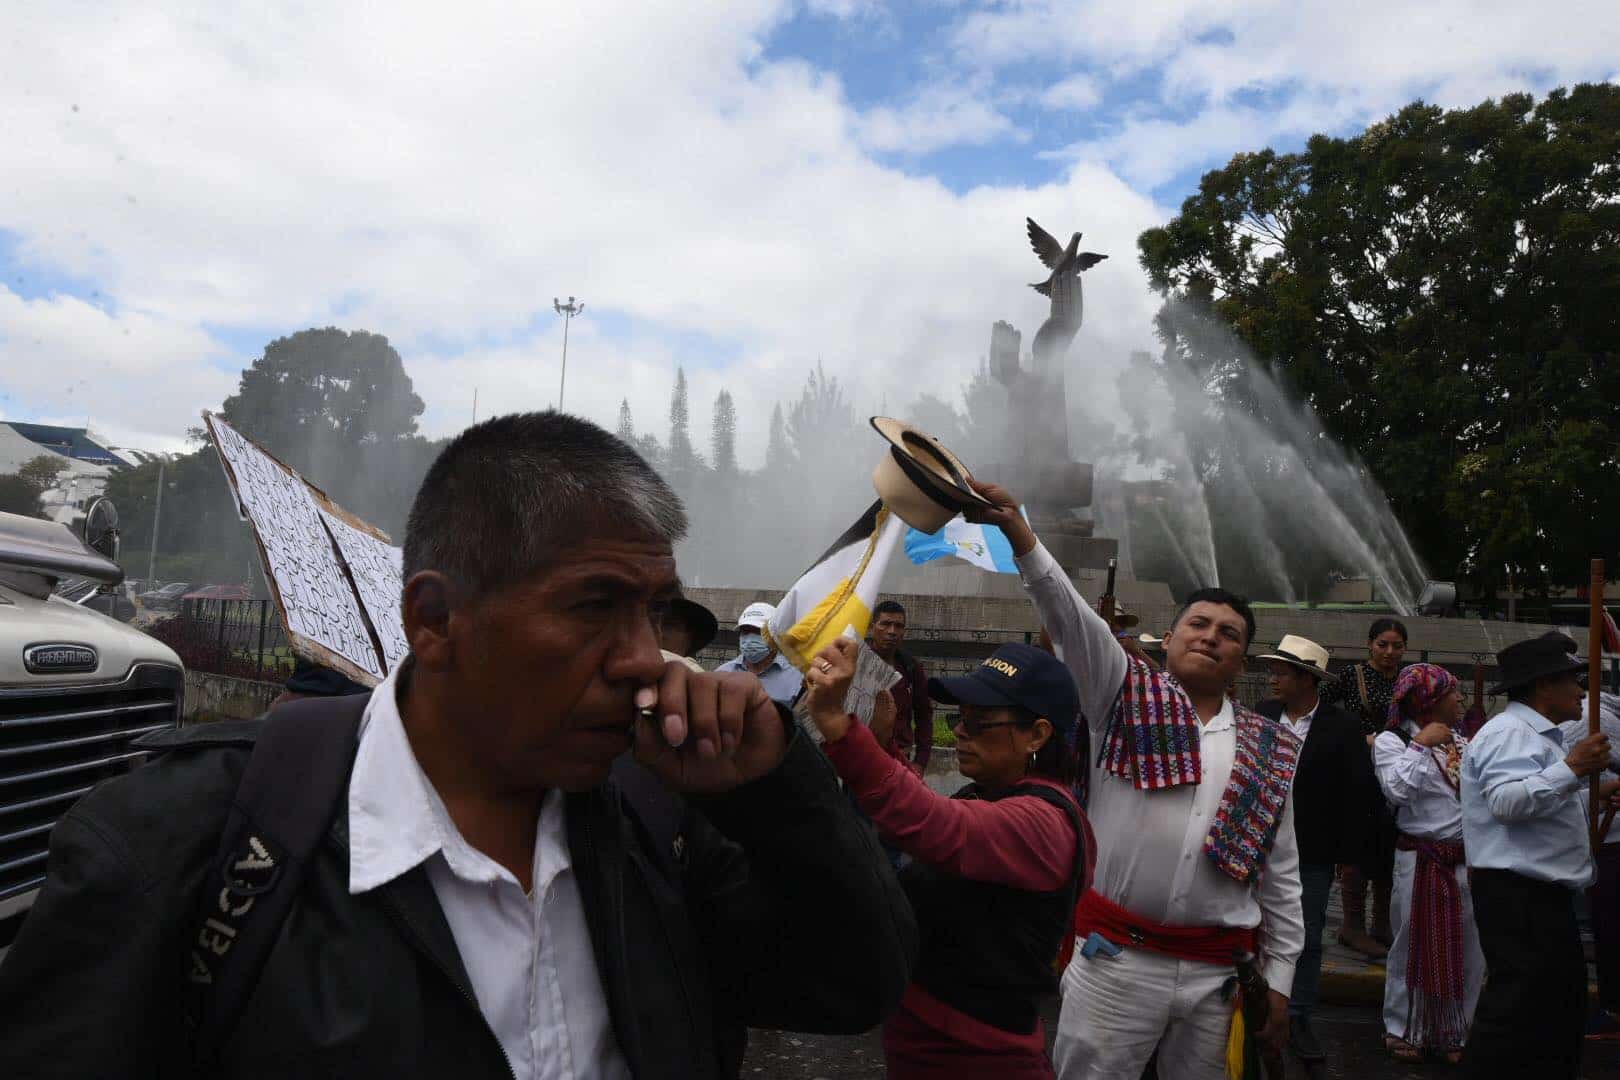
{"points": [[1350, 1035]]}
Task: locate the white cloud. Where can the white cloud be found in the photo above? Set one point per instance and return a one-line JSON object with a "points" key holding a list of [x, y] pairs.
{"points": [[1313, 62], [74, 363], [936, 117], [846, 9], [1077, 92], [438, 180]]}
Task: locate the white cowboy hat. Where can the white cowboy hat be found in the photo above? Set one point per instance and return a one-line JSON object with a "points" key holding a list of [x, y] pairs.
{"points": [[1303, 653], [919, 480]]}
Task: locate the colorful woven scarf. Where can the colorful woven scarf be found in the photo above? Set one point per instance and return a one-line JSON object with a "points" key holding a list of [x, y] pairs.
{"points": [[1419, 689], [1436, 975], [1153, 739], [1251, 807]]}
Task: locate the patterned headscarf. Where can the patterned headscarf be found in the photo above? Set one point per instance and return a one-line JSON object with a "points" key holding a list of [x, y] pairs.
{"points": [[1419, 688]]}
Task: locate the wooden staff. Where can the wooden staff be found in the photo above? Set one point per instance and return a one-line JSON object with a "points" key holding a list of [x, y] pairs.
{"points": [[1105, 602], [1594, 683]]}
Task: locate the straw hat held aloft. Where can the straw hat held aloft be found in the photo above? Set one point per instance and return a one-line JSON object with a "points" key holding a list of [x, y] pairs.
{"points": [[919, 480]]}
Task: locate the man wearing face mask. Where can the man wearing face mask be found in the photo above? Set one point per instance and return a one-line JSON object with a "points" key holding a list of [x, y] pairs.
{"points": [[759, 657]]}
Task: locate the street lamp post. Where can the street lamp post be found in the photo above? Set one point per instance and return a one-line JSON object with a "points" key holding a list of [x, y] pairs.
{"points": [[567, 311], [157, 516]]}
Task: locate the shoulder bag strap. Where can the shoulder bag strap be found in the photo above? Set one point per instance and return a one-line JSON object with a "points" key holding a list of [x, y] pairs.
{"points": [[292, 787]]}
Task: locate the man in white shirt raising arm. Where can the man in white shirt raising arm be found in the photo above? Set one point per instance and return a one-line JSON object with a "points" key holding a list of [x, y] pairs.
{"points": [[1189, 800]]}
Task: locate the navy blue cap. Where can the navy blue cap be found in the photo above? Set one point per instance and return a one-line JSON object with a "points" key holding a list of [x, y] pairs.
{"points": [[1015, 675]]}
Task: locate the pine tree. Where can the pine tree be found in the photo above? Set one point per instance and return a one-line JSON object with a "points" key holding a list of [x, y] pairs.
{"points": [[777, 452], [681, 456], [723, 443], [627, 427], [653, 454]]}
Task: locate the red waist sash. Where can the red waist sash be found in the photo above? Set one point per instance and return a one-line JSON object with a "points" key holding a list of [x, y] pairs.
{"points": [[1096, 914]]}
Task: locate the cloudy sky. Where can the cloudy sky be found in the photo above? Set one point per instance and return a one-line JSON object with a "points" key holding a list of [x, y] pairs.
{"points": [[739, 187]]}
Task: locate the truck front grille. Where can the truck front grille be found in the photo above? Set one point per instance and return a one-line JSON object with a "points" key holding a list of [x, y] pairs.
{"points": [[56, 743]]}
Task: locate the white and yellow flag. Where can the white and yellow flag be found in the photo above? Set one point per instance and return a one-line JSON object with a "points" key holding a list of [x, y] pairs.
{"points": [[835, 597]]}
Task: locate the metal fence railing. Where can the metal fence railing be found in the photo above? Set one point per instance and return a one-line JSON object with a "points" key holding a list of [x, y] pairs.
{"points": [[240, 638]]}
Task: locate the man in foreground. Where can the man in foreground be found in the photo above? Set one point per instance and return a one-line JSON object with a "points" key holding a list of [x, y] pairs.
{"points": [[913, 738], [486, 901], [1189, 801], [1525, 829], [1334, 800]]}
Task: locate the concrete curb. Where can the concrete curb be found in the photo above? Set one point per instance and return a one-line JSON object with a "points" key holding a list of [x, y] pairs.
{"points": [[1352, 986]]}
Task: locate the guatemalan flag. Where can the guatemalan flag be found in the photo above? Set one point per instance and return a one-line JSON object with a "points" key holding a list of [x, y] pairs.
{"points": [[985, 546], [835, 597]]}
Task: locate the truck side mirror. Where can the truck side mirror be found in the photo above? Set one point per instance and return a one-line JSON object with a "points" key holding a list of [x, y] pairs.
{"points": [[101, 529]]}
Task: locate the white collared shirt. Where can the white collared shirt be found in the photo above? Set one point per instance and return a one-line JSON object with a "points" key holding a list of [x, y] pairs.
{"points": [[1150, 844], [1301, 727], [1523, 808], [1413, 777], [529, 956]]}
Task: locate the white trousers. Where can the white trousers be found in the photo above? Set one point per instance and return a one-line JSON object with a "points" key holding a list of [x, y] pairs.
{"points": [[1117, 1012], [1397, 998]]}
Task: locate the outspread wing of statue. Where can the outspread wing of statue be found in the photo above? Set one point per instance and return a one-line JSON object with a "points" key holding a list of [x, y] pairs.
{"points": [[1058, 259]]}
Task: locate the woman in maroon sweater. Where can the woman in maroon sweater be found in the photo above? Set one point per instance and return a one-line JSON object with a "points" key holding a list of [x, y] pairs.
{"points": [[996, 869]]}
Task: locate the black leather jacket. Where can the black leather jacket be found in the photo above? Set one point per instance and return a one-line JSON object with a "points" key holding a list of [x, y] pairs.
{"points": [[779, 911]]}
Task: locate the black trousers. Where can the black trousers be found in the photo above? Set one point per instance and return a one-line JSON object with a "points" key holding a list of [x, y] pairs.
{"points": [[1604, 899], [1532, 1014]]}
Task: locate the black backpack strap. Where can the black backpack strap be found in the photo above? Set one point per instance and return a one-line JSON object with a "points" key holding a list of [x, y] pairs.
{"points": [[293, 786]]}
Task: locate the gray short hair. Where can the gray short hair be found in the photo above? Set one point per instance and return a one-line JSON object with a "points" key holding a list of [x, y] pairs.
{"points": [[507, 495]]}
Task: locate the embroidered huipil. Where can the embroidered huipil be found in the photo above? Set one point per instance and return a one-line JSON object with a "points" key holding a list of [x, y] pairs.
{"points": [[528, 956], [1150, 844], [1414, 780]]}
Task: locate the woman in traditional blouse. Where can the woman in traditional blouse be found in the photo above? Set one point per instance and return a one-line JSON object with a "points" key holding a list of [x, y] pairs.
{"points": [[1435, 968], [1365, 689]]}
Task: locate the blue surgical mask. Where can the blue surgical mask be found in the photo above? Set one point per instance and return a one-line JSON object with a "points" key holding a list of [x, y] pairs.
{"points": [[753, 648]]}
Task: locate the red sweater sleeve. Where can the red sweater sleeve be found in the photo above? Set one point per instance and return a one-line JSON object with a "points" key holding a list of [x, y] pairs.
{"points": [[1022, 842]]}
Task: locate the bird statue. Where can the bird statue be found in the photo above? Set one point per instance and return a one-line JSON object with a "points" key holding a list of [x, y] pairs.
{"points": [[1059, 259]]}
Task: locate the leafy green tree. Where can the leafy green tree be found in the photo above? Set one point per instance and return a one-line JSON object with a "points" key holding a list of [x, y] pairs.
{"points": [[200, 537], [338, 406], [1444, 291], [324, 387]]}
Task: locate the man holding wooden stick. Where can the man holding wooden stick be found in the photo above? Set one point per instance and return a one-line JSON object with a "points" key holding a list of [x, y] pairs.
{"points": [[1528, 841]]}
